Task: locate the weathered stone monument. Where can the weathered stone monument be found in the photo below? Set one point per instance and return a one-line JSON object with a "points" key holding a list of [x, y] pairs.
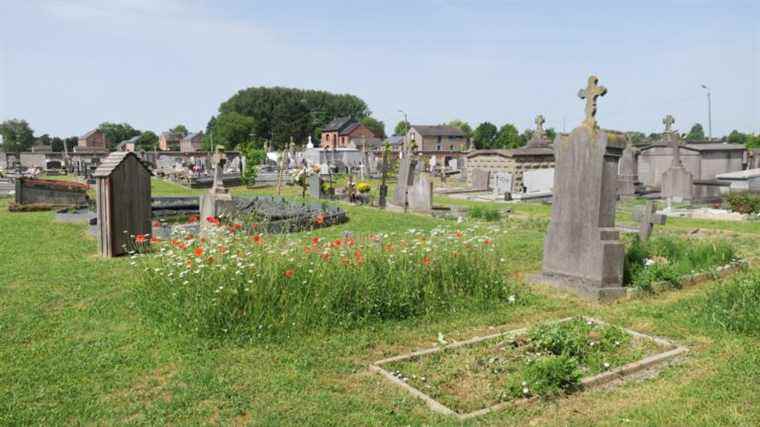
{"points": [[421, 194], [315, 185], [480, 179], [629, 170], [123, 202], [647, 217], [405, 180], [384, 178], [677, 182], [582, 251], [218, 199]]}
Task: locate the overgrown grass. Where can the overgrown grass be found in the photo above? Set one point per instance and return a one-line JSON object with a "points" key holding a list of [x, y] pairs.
{"points": [[229, 284], [735, 305], [485, 213], [668, 259]]}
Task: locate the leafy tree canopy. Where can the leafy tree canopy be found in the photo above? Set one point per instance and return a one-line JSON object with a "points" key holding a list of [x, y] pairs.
{"points": [[737, 137], [17, 135], [281, 113], [148, 141], [376, 126], [484, 136], [696, 133], [508, 137], [232, 129], [180, 130], [401, 128], [118, 132]]}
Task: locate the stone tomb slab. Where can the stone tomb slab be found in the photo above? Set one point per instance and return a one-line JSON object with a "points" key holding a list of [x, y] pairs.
{"points": [[664, 351]]}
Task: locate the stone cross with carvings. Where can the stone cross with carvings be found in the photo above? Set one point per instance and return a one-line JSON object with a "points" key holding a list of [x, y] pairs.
{"points": [[590, 94], [540, 127], [670, 137], [647, 217], [219, 159]]}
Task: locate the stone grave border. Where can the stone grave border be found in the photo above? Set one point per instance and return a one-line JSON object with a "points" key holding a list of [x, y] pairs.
{"points": [[587, 383], [689, 280]]}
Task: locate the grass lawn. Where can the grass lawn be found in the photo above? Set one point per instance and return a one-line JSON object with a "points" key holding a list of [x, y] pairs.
{"points": [[74, 349]]}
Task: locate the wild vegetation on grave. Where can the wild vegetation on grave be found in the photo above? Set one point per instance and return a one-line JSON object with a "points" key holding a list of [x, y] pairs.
{"points": [[545, 361], [669, 259], [233, 284]]}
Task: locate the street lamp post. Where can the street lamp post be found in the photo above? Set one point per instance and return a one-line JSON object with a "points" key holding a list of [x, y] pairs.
{"points": [[709, 111]]}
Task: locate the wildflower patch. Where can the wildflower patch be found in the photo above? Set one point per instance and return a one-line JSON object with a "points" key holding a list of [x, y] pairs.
{"points": [[471, 378]]}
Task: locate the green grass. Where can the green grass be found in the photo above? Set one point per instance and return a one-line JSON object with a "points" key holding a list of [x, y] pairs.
{"points": [[75, 348]]}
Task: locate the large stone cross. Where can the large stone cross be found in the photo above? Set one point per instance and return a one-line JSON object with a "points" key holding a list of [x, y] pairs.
{"points": [[590, 94], [668, 121], [647, 217], [540, 126]]}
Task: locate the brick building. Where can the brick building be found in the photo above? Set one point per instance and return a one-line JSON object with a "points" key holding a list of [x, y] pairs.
{"points": [[341, 131], [191, 143], [94, 140]]}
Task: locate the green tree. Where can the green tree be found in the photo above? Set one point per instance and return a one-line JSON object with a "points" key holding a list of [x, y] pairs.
{"points": [[696, 133], [753, 141], [484, 136], [118, 132], [180, 130], [147, 142], [281, 113], [401, 128], [17, 136], [376, 126], [232, 130], [737, 137], [254, 156], [508, 137], [461, 125]]}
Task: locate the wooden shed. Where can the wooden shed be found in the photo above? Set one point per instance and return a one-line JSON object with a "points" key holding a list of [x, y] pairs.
{"points": [[123, 202]]}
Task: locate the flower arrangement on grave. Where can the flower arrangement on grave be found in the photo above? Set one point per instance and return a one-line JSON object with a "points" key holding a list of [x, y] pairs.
{"points": [[224, 283], [301, 177], [363, 187]]}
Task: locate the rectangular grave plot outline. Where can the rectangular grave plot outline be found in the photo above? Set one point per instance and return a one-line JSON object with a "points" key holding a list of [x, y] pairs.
{"points": [[673, 350]]}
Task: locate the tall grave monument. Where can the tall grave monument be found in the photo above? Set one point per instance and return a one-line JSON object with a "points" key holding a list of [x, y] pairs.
{"points": [[218, 199], [582, 251], [677, 182], [629, 169]]}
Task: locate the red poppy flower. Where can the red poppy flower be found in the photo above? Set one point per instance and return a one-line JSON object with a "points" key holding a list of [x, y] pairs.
{"points": [[213, 220], [336, 243], [319, 219], [314, 241], [459, 234], [487, 241], [289, 273], [198, 252], [325, 256], [257, 239], [425, 260], [358, 256], [140, 238], [192, 219]]}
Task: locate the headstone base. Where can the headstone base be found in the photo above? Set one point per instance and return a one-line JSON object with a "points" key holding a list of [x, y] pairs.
{"points": [[580, 287], [677, 182], [216, 206]]}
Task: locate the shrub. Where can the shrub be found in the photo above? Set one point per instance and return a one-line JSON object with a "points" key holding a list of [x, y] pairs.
{"points": [[734, 305], [231, 284], [363, 187], [744, 202], [485, 213]]}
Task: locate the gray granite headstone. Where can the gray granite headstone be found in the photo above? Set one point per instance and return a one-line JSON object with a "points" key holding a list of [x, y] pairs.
{"points": [[421, 195], [538, 180], [677, 182], [405, 179], [315, 185], [582, 251], [629, 171], [480, 179]]}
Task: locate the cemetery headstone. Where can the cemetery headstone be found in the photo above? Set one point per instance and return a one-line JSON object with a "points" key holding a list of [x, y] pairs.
{"points": [[647, 217], [405, 179], [421, 195], [480, 179], [218, 199], [538, 180], [315, 185], [383, 179], [677, 182], [123, 202], [501, 182], [582, 251], [629, 170]]}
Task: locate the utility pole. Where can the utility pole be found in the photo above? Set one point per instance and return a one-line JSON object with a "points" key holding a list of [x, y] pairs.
{"points": [[709, 111]]}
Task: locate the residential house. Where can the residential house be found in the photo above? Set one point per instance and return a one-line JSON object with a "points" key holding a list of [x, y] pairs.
{"points": [[169, 141], [94, 140], [128, 145], [440, 139], [339, 133], [191, 143]]}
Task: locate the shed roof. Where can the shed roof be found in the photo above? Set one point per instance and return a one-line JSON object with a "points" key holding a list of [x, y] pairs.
{"points": [[110, 163]]}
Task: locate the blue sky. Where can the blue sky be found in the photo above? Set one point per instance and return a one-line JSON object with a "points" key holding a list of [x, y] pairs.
{"points": [[68, 65]]}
